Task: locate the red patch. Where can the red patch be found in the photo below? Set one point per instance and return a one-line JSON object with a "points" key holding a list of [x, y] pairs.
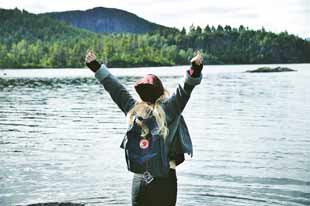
{"points": [[144, 143]]}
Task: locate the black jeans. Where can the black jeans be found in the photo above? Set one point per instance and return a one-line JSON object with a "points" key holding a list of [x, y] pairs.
{"points": [[162, 191]]}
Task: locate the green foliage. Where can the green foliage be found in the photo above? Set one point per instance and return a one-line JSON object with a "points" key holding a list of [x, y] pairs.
{"points": [[17, 25], [28, 40]]}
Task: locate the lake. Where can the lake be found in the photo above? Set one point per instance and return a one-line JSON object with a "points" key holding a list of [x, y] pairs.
{"points": [[60, 135]]}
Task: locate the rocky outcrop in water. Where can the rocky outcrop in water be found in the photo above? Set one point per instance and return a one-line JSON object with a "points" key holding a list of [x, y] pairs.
{"points": [[270, 69], [56, 204]]}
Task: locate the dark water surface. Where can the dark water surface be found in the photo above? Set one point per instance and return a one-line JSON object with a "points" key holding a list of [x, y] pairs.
{"points": [[60, 134]]}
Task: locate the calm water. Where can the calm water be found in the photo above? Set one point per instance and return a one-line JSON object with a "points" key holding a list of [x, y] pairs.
{"points": [[60, 136]]}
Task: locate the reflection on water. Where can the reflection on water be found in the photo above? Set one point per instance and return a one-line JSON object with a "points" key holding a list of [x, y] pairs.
{"points": [[60, 137]]}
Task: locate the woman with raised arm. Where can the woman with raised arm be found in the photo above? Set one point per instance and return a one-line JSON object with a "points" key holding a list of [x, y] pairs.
{"points": [[157, 136]]}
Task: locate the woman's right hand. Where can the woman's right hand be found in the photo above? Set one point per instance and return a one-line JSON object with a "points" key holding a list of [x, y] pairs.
{"points": [[197, 65], [198, 59], [91, 61]]}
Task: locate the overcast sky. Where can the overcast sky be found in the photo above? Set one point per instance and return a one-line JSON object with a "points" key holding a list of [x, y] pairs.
{"points": [[274, 15]]}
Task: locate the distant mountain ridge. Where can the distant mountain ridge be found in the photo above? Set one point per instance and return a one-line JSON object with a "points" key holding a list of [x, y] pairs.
{"points": [[17, 25], [107, 20]]}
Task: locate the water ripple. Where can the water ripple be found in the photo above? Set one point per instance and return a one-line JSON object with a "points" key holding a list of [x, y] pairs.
{"points": [[60, 134]]}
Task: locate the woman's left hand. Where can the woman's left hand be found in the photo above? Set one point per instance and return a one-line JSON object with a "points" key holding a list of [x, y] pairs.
{"points": [[91, 61], [90, 56]]}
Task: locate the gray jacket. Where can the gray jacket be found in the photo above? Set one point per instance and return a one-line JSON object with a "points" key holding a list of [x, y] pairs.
{"points": [[173, 107]]}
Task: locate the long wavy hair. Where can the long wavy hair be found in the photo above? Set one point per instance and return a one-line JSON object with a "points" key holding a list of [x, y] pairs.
{"points": [[145, 109]]}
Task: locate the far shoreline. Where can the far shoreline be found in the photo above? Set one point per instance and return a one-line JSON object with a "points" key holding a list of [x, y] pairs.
{"points": [[137, 67]]}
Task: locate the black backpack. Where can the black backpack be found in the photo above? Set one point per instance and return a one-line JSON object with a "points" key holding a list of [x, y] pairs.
{"points": [[146, 156]]}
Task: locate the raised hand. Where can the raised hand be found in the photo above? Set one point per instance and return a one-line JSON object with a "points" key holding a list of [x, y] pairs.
{"points": [[91, 61], [197, 65], [198, 59], [90, 56]]}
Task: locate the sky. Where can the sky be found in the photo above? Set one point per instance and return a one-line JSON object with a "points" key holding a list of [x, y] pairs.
{"points": [[273, 15]]}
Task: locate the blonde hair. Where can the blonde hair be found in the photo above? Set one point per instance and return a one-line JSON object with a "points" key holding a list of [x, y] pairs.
{"points": [[145, 109]]}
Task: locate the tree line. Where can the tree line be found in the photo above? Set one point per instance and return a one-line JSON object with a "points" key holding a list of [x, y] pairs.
{"points": [[26, 42]]}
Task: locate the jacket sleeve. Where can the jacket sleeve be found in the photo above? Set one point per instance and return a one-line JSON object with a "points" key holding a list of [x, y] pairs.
{"points": [[117, 91], [176, 103]]}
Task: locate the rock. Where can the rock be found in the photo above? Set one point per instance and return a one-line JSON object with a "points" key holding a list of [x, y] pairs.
{"points": [[269, 69], [57, 204]]}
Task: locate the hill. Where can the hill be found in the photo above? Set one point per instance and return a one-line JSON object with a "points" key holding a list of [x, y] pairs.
{"points": [[107, 20], [17, 25]]}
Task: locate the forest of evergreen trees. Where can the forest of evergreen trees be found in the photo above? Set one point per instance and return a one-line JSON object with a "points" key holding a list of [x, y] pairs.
{"points": [[29, 40]]}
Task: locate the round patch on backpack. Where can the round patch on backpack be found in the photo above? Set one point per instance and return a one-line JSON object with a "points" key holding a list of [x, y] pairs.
{"points": [[144, 143]]}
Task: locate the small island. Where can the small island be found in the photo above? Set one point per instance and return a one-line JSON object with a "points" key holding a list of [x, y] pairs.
{"points": [[270, 69], [57, 204]]}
